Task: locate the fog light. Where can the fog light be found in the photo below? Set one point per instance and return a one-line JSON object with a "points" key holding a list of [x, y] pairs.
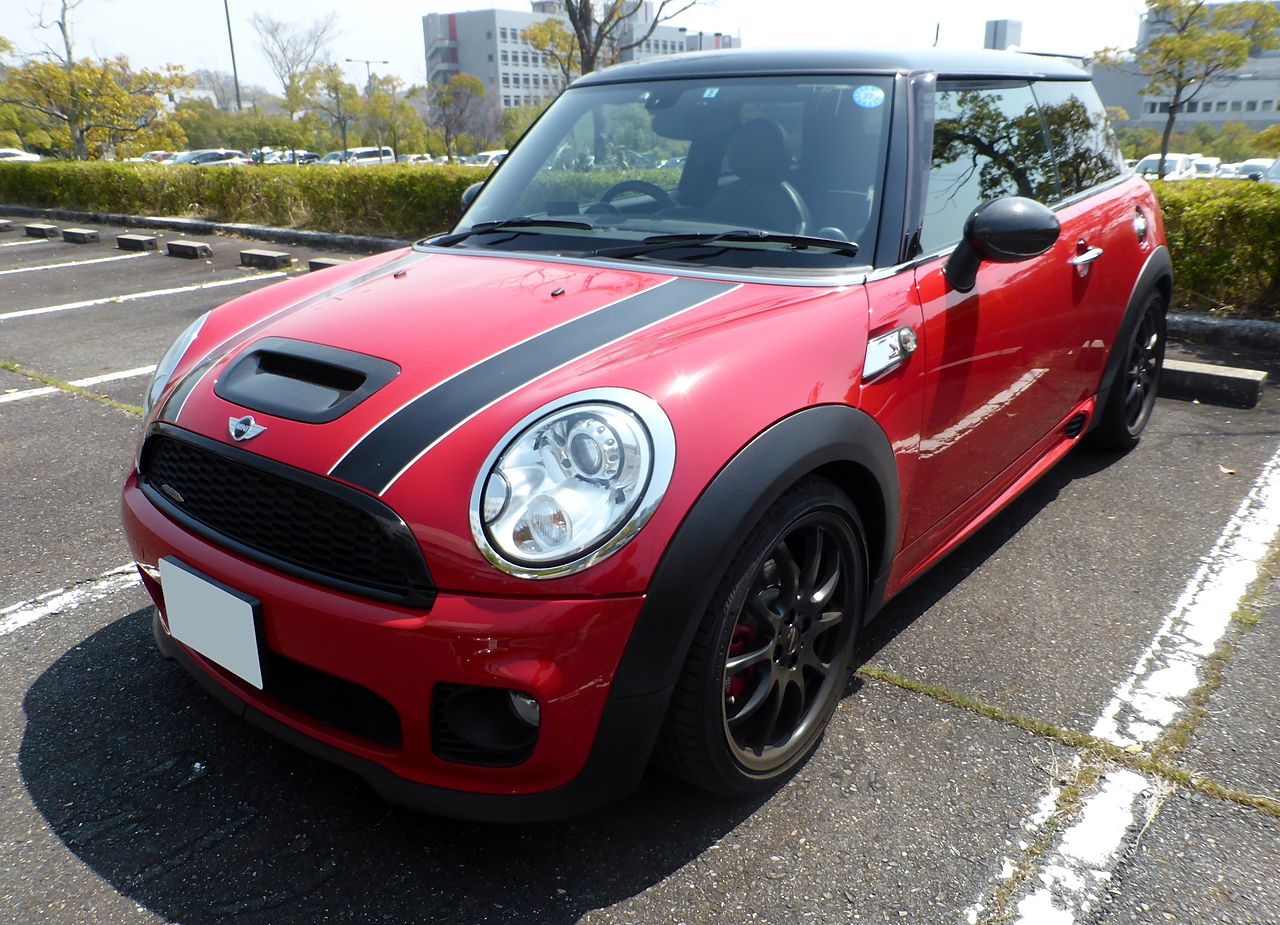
{"points": [[525, 708]]}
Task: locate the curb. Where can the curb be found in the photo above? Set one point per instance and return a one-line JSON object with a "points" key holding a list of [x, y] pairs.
{"points": [[1210, 384], [347, 242], [1223, 332]]}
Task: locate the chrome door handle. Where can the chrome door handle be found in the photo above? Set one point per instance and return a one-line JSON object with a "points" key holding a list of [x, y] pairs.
{"points": [[1081, 261]]}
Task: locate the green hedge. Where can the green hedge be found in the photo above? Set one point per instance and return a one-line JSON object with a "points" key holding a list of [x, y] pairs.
{"points": [[399, 201], [1224, 235]]}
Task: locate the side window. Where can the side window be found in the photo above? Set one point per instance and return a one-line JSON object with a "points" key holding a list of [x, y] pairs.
{"points": [[988, 142], [1083, 146]]}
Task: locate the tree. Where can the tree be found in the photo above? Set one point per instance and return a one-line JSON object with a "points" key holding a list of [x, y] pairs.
{"points": [[338, 100], [390, 117], [603, 29], [1201, 47], [558, 46], [1268, 141], [292, 52], [219, 83], [89, 106], [456, 107]]}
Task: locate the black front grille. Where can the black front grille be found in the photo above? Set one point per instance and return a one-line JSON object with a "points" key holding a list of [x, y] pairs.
{"points": [[335, 701], [292, 520]]}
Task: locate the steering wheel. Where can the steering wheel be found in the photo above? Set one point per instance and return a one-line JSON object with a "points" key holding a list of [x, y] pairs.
{"points": [[654, 192]]}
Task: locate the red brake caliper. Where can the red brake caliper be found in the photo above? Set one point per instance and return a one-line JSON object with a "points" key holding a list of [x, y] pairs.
{"points": [[744, 637]]}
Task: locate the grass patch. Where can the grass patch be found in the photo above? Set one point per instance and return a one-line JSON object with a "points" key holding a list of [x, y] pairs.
{"points": [[134, 410]]}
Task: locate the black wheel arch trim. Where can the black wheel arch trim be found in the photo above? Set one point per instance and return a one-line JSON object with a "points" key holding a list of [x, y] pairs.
{"points": [[825, 437], [1156, 275]]}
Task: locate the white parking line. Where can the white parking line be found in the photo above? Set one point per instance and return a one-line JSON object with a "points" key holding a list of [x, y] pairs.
{"points": [[73, 263], [1071, 876], [132, 296], [25, 243], [82, 383], [62, 600]]}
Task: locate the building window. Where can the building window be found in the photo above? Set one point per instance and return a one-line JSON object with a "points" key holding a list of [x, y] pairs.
{"points": [[524, 58], [491, 59], [506, 80], [504, 57], [506, 101], [502, 33], [1235, 105], [1193, 106], [1220, 106], [526, 80], [1268, 105], [1151, 108], [489, 34], [1164, 107], [1251, 106]]}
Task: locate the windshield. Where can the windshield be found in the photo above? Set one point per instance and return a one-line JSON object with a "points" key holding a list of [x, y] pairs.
{"points": [[186, 157], [787, 156], [1204, 167]]}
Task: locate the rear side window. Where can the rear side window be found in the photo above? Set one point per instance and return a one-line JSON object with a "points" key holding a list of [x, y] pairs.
{"points": [[1083, 146], [988, 142]]}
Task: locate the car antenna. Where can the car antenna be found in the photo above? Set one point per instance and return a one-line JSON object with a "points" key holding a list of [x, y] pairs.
{"points": [[937, 33]]}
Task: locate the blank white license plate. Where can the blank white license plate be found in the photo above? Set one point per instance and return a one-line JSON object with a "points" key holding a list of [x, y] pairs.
{"points": [[212, 619]]}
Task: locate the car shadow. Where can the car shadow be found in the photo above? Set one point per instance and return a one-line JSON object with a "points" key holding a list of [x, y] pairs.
{"points": [[200, 818], [920, 596]]}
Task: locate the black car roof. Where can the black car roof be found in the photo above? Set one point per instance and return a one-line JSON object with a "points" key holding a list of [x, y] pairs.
{"points": [[737, 62]]}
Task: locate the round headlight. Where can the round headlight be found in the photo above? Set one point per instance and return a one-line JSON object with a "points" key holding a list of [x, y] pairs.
{"points": [[169, 362], [572, 483]]}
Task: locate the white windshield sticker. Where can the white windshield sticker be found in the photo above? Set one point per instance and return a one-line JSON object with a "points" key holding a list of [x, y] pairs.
{"points": [[868, 96]]}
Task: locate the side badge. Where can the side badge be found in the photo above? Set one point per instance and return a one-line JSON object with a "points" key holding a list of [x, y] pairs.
{"points": [[245, 428], [888, 351]]}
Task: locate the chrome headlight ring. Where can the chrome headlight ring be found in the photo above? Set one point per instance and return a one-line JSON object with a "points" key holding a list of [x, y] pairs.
{"points": [[572, 483]]}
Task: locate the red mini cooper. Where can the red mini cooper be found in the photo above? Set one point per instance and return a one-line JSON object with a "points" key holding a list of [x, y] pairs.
{"points": [[731, 348]]}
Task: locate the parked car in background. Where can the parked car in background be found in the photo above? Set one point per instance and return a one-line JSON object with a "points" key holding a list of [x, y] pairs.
{"points": [[486, 158], [1176, 167], [1228, 171], [213, 157], [290, 156], [623, 464], [14, 155], [1206, 167], [360, 157], [150, 157], [415, 159], [1273, 174], [1255, 168]]}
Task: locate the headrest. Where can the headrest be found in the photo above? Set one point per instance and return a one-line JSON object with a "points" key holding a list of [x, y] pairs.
{"points": [[758, 152]]}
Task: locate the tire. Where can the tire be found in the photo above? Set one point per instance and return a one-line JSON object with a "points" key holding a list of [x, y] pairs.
{"points": [[786, 613], [1133, 394]]}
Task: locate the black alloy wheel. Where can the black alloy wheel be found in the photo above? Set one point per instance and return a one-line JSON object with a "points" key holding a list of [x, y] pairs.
{"points": [[1132, 398], [772, 655]]}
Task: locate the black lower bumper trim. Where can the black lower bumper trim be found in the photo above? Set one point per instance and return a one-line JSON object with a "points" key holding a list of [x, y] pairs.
{"points": [[624, 740]]}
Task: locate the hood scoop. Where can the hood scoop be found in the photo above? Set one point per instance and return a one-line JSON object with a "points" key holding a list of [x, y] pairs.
{"points": [[301, 381]]}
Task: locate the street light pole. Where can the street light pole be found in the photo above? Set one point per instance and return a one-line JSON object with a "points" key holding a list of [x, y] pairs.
{"points": [[368, 87], [235, 74]]}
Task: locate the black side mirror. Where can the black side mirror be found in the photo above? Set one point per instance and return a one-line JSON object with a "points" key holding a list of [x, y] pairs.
{"points": [[1255, 176], [469, 194], [1006, 230]]}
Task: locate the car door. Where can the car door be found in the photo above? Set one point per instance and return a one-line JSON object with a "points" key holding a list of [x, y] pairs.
{"points": [[999, 360]]}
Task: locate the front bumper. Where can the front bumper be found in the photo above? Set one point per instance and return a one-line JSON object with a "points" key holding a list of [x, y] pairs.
{"points": [[591, 747]]}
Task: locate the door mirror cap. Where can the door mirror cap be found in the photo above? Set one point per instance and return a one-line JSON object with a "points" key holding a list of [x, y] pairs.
{"points": [[1006, 230], [469, 194]]}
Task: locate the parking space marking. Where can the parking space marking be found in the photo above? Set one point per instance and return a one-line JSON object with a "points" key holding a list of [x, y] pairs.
{"points": [[82, 383], [25, 243], [74, 263], [61, 600], [1069, 878], [133, 296]]}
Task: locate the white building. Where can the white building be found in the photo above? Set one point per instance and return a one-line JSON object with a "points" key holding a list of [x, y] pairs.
{"points": [[487, 45]]}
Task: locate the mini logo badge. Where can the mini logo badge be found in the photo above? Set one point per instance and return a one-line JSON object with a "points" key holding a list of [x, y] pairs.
{"points": [[245, 428]]}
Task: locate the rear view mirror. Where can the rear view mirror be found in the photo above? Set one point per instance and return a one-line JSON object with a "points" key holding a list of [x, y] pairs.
{"points": [[1007, 230]]}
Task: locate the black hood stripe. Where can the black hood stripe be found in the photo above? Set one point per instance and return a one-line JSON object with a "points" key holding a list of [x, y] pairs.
{"points": [[385, 452]]}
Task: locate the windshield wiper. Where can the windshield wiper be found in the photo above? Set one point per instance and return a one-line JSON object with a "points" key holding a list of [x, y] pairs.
{"points": [[526, 224], [742, 236]]}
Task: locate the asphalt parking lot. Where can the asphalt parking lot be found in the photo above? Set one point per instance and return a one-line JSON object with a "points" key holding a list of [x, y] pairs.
{"points": [[1073, 719]]}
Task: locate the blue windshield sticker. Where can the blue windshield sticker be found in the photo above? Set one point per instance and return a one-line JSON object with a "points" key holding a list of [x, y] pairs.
{"points": [[710, 93], [868, 96]]}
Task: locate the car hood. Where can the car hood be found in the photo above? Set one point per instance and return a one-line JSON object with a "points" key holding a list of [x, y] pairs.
{"points": [[459, 332]]}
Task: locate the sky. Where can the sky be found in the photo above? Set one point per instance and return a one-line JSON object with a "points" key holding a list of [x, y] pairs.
{"points": [[192, 33]]}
